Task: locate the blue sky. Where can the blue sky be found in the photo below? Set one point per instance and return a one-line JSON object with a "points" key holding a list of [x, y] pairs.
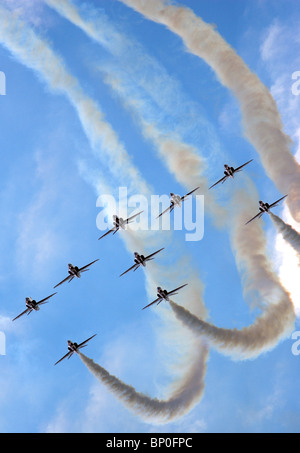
{"points": [[52, 174]]}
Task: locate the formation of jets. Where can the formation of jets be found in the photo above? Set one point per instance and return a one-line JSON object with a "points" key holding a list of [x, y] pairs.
{"points": [[139, 259], [263, 207], [32, 305]]}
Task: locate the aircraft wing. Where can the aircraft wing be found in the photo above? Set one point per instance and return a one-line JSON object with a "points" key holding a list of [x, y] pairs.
{"points": [[149, 257], [69, 277], [186, 195], [220, 180], [171, 207], [108, 232], [239, 168], [85, 267], [81, 345], [257, 215], [64, 357], [154, 302], [132, 217], [176, 289], [130, 269], [44, 301], [23, 313], [276, 202]]}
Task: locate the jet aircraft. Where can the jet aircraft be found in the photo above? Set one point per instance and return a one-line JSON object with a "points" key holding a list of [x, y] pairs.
{"points": [[140, 260], [265, 207], [163, 294], [33, 305], [176, 200], [118, 223], [74, 347], [75, 271], [229, 173]]}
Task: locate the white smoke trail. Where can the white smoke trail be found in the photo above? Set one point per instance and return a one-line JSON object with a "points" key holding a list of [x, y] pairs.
{"points": [[274, 324], [36, 54], [289, 234], [287, 259], [144, 69], [259, 279], [261, 119], [151, 409]]}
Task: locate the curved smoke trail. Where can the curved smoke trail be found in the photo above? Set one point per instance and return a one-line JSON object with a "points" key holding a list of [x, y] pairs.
{"points": [[152, 409], [261, 119], [276, 322], [37, 54], [289, 234]]}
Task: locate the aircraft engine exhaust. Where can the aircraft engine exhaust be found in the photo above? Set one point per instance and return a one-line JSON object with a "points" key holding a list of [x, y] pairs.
{"points": [[289, 234]]}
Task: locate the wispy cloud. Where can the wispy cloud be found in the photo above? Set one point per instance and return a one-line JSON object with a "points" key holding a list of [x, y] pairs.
{"points": [[32, 12]]}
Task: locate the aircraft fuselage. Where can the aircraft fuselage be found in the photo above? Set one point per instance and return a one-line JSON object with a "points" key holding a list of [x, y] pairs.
{"points": [[139, 259], [72, 347], [119, 222], [74, 270], [175, 199], [229, 171], [264, 207], [31, 304], [162, 293]]}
